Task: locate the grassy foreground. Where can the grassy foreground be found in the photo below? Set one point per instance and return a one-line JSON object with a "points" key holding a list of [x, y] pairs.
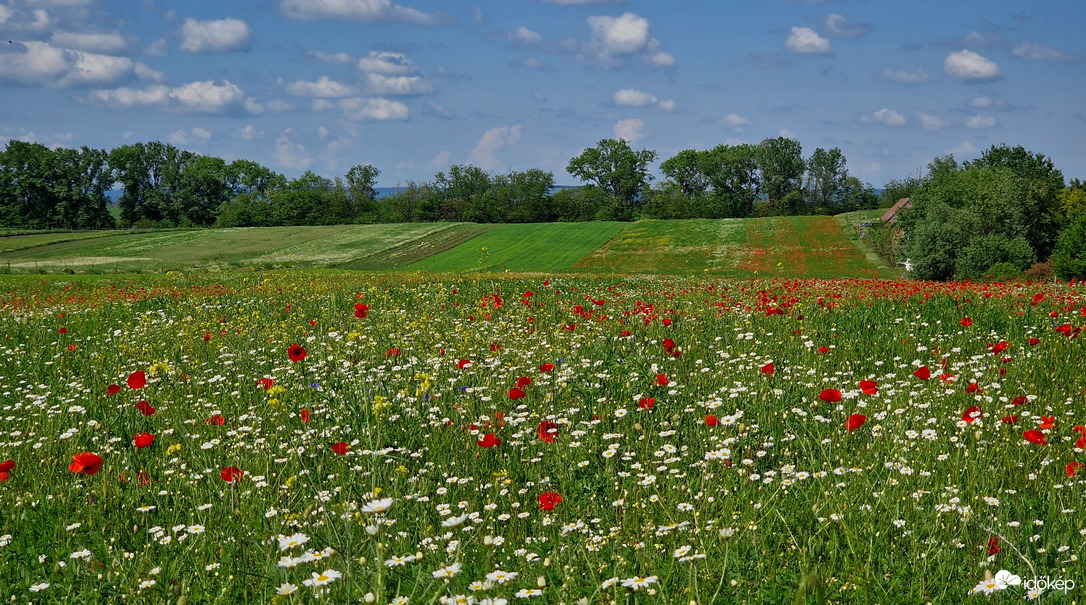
{"points": [[291, 437]]}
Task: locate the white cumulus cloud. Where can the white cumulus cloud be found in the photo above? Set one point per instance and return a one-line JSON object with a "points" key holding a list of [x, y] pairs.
{"points": [[839, 25], [979, 121], [372, 109], [217, 36], [622, 35], [491, 141], [207, 96], [629, 130], [368, 11], [1032, 51], [735, 120], [289, 154], [35, 63], [387, 64], [805, 41], [397, 85], [629, 97], [324, 87], [968, 66], [523, 35], [930, 122], [96, 43], [884, 116]]}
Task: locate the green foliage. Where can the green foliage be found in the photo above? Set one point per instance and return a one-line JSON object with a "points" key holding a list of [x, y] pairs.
{"points": [[780, 161], [1069, 258], [1005, 209], [615, 168], [983, 253], [41, 188], [933, 244], [826, 174]]}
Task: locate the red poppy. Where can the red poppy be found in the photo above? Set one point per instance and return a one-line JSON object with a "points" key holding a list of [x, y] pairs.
{"points": [[489, 440], [1000, 347], [361, 310], [947, 378], [87, 463], [113, 389], [63, 331], [296, 353], [143, 440], [145, 408], [548, 500], [5, 469], [973, 388], [1035, 436], [265, 383], [305, 415], [855, 421], [923, 373], [547, 430], [1081, 443], [137, 380], [668, 344], [661, 380], [822, 350], [869, 387], [1013, 418], [393, 352], [830, 395], [1072, 468], [971, 414], [232, 474], [207, 336], [966, 321], [767, 369], [1034, 342], [993, 546], [666, 322], [1048, 422], [646, 403], [1020, 400], [515, 394], [547, 367], [523, 381], [463, 363], [340, 448], [625, 333], [711, 420], [216, 420]]}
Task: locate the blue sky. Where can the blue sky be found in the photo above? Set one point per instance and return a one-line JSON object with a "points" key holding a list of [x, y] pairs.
{"points": [[415, 86]]}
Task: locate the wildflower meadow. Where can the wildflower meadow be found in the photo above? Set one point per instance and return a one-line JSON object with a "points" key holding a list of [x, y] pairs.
{"points": [[307, 437]]}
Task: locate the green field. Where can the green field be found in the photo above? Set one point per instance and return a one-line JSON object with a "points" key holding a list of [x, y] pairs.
{"points": [[525, 248], [810, 246], [798, 246], [375, 247]]}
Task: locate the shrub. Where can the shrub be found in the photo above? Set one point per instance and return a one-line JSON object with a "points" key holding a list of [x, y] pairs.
{"points": [[982, 253], [1039, 271], [1002, 272], [1069, 257]]}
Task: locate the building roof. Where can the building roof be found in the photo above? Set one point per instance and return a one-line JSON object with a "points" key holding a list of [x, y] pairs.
{"points": [[891, 214]]}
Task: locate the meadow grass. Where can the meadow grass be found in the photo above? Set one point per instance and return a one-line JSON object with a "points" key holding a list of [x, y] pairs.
{"points": [[498, 439], [354, 246], [798, 246], [531, 247]]}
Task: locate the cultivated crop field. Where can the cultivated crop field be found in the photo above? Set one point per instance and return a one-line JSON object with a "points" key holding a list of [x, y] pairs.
{"points": [[295, 437]]}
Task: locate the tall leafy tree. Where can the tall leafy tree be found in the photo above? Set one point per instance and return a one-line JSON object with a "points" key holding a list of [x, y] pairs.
{"points": [[780, 162], [732, 171], [826, 174], [615, 168], [685, 169]]}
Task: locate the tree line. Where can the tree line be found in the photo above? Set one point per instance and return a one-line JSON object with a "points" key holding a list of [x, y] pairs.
{"points": [[164, 186], [1007, 214]]}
